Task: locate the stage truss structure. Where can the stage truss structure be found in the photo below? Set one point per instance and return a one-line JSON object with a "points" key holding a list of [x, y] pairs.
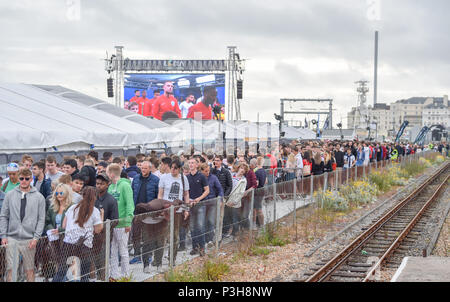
{"points": [[233, 67]]}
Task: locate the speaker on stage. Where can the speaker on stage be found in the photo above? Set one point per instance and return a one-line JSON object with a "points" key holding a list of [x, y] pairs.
{"points": [[239, 89], [109, 85]]}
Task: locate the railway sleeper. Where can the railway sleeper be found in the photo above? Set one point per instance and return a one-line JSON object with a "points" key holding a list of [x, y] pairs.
{"points": [[348, 275]]}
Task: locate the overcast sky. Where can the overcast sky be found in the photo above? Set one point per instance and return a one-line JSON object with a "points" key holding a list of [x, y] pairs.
{"points": [[294, 49]]}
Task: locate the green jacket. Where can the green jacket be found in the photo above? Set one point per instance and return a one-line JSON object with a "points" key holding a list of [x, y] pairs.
{"points": [[123, 193], [50, 219]]}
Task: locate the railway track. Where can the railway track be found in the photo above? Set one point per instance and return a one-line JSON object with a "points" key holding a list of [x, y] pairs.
{"points": [[387, 241]]}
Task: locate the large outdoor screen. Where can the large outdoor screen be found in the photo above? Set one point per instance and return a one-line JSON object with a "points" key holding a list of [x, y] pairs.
{"points": [[171, 96]]}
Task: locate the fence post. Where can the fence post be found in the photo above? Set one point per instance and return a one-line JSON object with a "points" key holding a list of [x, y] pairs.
{"points": [[250, 216], [346, 180], [274, 210], [312, 186], [295, 206], [325, 182], [218, 208], [15, 263], [172, 220], [364, 171], [356, 172], [107, 248], [295, 188], [336, 180]]}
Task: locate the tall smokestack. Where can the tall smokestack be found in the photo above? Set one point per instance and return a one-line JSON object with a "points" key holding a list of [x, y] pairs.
{"points": [[375, 80]]}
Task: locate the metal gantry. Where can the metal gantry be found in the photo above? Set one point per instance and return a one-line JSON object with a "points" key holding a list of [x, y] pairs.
{"points": [[329, 113]]}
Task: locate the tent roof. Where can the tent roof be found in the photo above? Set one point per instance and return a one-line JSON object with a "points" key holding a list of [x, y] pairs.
{"points": [[35, 119], [163, 132], [99, 104]]}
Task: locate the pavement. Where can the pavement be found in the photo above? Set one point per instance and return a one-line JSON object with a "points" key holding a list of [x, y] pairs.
{"points": [[419, 269]]}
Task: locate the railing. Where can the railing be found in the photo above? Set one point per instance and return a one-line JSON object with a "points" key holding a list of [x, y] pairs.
{"points": [[152, 245]]}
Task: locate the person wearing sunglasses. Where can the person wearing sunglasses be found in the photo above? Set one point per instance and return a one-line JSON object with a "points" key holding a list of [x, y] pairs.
{"points": [[22, 221], [61, 200]]}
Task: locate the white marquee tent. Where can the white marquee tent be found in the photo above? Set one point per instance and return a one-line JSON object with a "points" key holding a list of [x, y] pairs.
{"points": [[33, 119]]}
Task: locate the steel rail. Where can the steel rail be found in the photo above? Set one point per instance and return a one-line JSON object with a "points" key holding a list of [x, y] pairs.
{"points": [[325, 272], [405, 232]]}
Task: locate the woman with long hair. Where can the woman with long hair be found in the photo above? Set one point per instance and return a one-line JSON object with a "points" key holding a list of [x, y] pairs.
{"points": [[317, 164], [290, 167], [80, 222], [242, 169], [61, 200], [328, 162], [360, 157]]}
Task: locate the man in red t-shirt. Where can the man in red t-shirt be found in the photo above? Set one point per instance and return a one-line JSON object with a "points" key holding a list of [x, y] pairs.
{"points": [[144, 104], [156, 95], [137, 96], [204, 107], [166, 102]]}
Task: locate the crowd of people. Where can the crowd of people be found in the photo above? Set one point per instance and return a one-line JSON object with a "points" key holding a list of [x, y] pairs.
{"points": [[53, 211], [166, 106]]}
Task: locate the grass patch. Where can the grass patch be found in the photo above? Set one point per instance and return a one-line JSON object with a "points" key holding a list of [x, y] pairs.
{"points": [[182, 275], [211, 271], [269, 237], [381, 180], [125, 279], [412, 169], [260, 251]]}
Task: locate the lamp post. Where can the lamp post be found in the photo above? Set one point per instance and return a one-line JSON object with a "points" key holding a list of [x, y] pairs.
{"points": [[340, 130]]}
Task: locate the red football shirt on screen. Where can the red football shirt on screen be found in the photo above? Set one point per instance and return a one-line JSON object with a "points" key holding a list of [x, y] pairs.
{"points": [[135, 99], [144, 106], [200, 107], [163, 104]]}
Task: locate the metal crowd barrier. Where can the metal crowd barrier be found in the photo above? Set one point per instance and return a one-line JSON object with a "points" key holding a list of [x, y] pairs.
{"points": [[152, 246]]}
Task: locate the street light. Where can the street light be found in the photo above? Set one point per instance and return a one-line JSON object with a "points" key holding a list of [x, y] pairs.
{"points": [[340, 130]]}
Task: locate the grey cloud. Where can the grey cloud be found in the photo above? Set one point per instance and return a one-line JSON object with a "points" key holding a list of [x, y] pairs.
{"points": [[414, 44]]}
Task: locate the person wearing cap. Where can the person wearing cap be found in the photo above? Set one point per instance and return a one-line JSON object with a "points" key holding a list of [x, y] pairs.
{"points": [[108, 203], [13, 181], [22, 221]]}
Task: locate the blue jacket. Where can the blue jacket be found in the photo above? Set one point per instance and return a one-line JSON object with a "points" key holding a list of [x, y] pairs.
{"points": [[360, 158], [132, 171], [215, 188], [152, 187], [46, 186]]}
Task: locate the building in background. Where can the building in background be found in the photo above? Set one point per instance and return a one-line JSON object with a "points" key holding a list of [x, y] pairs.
{"points": [[436, 112], [386, 119]]}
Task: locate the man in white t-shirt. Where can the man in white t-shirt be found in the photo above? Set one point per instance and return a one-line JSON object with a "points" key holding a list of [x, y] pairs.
{"points": [[170, 185], [188, 103], [171, 188], [51, 169]]}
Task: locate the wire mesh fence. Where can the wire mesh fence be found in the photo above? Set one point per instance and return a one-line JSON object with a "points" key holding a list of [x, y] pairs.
{"points": [[159, 240]]}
